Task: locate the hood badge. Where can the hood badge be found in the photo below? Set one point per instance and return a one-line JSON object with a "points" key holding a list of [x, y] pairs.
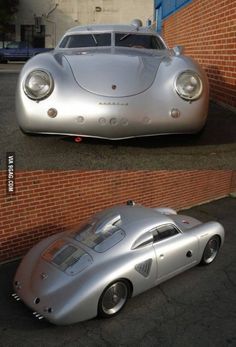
{"points": [[113, 87], [113, 103], [43, 276]]}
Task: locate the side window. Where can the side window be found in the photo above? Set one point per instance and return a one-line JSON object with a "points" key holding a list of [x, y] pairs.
{"points": [[164, 232]]}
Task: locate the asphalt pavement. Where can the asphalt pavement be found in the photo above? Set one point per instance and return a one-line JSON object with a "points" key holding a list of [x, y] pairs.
{"points": [[215, 148], [196, 308], [11, 67]]}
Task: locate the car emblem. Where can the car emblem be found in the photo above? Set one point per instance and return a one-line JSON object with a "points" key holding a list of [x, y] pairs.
{"points": [[114, 87], [44, 276], [113, 103]]}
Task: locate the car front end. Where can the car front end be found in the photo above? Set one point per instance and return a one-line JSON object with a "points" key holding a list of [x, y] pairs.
{"points": [[112, 92]]}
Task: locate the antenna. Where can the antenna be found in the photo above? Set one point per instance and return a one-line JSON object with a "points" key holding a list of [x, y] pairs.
{"points": [[137, 23], [130, 203]]}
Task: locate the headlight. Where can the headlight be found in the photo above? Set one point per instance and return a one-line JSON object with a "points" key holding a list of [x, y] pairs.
{"points": [[38, 85], [188, 85]]}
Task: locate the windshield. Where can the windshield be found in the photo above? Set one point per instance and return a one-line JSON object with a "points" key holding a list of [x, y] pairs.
{"points": [[128, 39], [138, 41], [102, 240], [86, 40]]}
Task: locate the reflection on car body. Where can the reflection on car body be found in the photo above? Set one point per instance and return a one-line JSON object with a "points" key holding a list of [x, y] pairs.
{"points": [[120, 252], [81, 87]]}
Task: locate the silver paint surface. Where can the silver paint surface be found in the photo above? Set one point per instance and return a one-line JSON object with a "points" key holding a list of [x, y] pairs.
{"points": [[74, 297], [112, 92]]}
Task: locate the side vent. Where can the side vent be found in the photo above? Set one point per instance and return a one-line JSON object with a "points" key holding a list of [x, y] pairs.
{"points": [[144, 267]]}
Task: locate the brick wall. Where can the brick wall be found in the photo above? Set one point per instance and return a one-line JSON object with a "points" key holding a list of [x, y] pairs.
{"points": [[49, 201], [233, 182], [207, 29]]}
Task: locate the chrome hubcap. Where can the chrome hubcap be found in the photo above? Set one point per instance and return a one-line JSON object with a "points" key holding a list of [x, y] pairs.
{"points": [[211, 250], [114, 298]]}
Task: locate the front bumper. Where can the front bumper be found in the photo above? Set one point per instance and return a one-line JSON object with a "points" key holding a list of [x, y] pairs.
{"points": [[111, 118], [115, 125]]}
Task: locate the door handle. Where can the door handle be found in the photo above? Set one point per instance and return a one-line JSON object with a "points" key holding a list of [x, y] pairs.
{"points": [[189, 254], [161, 256]]}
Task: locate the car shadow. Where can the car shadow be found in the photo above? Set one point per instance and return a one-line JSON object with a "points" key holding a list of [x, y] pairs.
{"points": [[222, 87], [220, 129]]}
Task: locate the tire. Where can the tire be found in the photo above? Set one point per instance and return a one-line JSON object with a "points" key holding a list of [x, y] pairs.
{"points": [[211, 250], [113, 299], [3, 60]]}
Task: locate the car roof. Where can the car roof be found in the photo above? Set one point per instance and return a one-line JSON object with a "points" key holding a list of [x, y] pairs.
{"points": [[109, 28], [134, 220]]}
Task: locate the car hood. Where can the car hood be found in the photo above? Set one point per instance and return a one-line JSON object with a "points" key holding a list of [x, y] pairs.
{"points": [[114, 74]]}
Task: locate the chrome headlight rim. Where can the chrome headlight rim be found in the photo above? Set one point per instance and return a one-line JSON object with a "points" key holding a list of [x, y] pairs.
{"points": [[185, 96], [43, 96]]}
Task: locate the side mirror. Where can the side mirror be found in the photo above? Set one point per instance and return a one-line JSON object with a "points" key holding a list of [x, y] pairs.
{"points": [[178, 50]]}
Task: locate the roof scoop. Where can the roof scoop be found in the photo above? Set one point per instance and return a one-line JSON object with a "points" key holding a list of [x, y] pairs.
{"points": [[137, 23], [110, 222]]}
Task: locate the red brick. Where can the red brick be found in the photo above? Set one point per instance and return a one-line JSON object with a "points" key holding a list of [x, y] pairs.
{"points": [[44, 206], [208, 33]]}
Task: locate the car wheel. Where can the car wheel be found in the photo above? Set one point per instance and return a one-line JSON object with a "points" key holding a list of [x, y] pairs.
{"points": [[211, 250], [3, 60], [113, 299]]}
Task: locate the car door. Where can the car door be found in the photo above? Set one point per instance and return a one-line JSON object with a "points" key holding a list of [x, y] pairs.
{"points": [[23, 51], [175, 251]]}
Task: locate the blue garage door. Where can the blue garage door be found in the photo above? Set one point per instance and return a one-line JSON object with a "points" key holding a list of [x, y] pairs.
{"points": [[164, 8]]}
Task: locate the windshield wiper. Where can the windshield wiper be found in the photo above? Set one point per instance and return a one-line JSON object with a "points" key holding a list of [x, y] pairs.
{"points": [[124, 37], [94, 39]]}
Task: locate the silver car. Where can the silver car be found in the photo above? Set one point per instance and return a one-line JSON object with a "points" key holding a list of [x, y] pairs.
{"points": [[112, 82], [119, 253]]}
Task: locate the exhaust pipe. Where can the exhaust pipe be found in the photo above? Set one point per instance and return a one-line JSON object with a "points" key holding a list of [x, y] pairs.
{"points": [[15, 296], [38, 315]]}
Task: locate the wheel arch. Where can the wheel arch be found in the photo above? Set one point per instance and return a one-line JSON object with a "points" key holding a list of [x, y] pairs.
{"points": [[220, 238], [120, 279], [213, 255], [130, 284]]}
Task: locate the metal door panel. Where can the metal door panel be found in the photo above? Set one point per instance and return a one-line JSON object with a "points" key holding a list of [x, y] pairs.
{"points": [[175, 254]]}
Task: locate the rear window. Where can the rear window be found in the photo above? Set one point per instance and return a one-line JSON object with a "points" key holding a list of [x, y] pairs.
{"points": [[101, 241], [86, 40], [138, 41], [67, 257]]}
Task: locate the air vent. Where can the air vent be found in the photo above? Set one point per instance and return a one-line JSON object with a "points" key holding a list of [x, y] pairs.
{"points": [[144, 267]]}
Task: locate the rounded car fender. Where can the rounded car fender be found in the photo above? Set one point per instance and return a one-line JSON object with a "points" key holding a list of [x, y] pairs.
{"points": [[204, 232]]}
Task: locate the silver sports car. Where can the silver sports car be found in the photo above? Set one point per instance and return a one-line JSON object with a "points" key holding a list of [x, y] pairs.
{"points": [[119, 253], [113, 82]]}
